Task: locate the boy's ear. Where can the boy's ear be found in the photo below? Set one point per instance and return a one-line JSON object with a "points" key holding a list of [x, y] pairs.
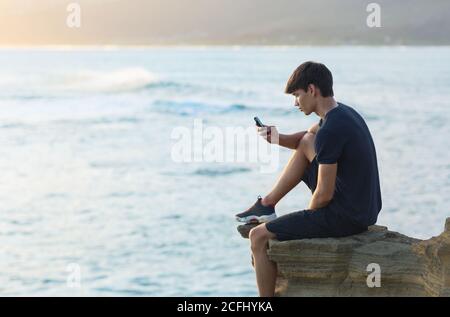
{"points": [[311, 89]]}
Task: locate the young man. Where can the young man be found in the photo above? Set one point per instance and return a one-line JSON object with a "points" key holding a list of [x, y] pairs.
{"points": [[336, 159]]}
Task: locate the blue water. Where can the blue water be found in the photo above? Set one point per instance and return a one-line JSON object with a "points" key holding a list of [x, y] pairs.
{"points": [[87, 174]]}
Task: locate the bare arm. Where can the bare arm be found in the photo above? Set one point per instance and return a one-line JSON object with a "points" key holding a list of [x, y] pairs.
{"points": [[326, 182], [290, 141]]}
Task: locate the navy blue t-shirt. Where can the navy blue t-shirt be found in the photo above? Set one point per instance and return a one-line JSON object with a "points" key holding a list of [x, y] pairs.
{"points": [[345, 139]]}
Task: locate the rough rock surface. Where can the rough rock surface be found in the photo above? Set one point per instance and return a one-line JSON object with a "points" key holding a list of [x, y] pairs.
{"points": [[339, 266]]}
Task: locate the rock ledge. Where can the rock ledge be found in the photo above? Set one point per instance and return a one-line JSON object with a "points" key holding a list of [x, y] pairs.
{"points": [[345, 266]]}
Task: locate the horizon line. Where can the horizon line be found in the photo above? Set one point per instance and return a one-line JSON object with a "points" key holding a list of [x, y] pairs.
{"points": [[199, 46]]}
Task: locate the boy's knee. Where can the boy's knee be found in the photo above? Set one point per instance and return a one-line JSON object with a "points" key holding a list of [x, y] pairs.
{"points": [[258, 238], [307, 145], [307, 140]]}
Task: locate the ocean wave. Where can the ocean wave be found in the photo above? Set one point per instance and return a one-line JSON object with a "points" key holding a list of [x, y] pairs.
{"points": [[221, 171], [195, 108], [171, 85], [188, 108], [121, 80], [86, 82], [13, 125], [25, 97]]}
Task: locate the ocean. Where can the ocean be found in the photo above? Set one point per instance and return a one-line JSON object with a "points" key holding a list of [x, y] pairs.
{"points": [[93, 202]]}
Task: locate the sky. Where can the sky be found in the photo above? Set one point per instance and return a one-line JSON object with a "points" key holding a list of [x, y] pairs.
{"points": [[289, 22]]}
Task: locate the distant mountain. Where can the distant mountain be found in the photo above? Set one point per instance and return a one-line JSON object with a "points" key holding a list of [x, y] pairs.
{"points": [[280, 22]]}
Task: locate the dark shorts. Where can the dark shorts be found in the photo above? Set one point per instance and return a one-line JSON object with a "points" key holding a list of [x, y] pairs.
{"points": [[307, 224]]}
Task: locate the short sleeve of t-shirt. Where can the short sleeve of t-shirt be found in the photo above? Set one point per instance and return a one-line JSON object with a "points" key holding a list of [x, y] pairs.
{"points": [[329, 146]]}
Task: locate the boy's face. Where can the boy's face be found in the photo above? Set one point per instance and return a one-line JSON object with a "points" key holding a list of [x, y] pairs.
{"points": [[305, 101]]}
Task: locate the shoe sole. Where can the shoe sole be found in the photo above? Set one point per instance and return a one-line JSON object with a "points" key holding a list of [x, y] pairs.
{"points": [[257, 219]]}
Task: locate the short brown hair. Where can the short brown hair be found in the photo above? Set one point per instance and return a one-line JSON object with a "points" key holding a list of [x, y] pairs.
{"points": [[311, 73]]}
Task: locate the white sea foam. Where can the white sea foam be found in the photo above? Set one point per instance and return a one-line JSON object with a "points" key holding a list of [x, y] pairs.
{"points": [[120, 80]]}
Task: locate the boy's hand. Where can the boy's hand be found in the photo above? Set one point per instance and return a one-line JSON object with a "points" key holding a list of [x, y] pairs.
{"points": [[270, 134]]}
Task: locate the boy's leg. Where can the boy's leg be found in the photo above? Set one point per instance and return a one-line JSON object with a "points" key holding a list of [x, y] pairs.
{"points": [[294, 170], [266, 270]]}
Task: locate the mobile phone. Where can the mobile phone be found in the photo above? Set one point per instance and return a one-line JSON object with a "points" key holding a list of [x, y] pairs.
{"points": [[258, 122]]}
